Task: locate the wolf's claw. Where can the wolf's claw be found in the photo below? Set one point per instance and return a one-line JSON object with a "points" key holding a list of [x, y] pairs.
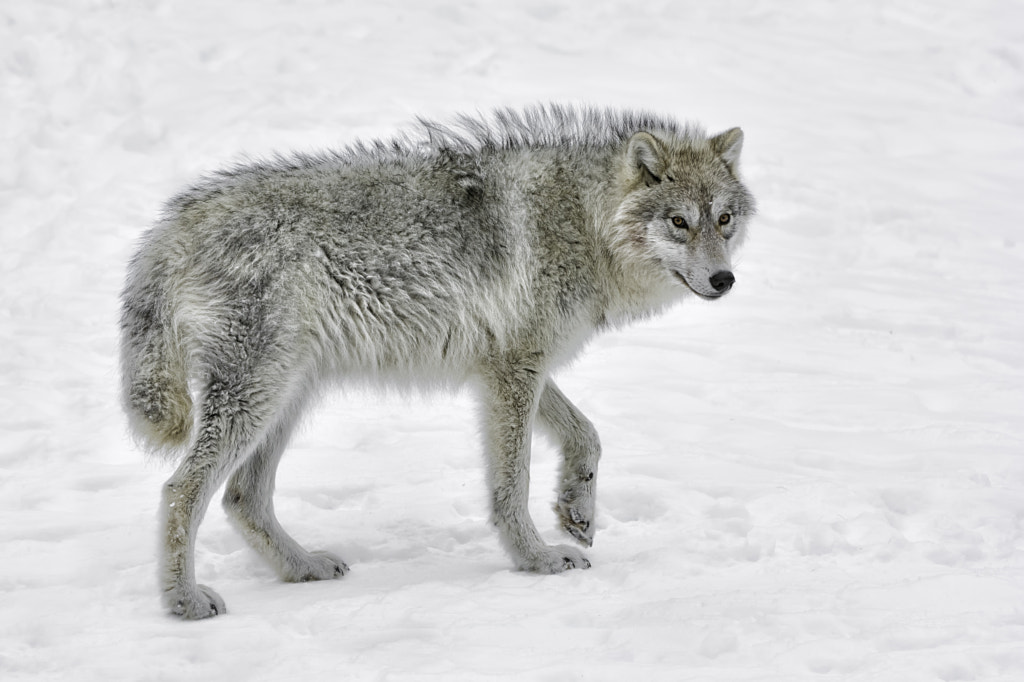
{"points": [[580, 532], [570, 563], [575, 522]]}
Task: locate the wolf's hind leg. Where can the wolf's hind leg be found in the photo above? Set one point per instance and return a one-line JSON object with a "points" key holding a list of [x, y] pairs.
{"points": [[581, 450], [231, 416], [511, 403], [248, 500]]}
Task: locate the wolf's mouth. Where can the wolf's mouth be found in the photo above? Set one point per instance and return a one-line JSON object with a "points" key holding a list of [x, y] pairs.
{"points": [[706, 297]]}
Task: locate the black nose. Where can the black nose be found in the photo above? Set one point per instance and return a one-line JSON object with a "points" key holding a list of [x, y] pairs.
{"points": [[722, 281]]}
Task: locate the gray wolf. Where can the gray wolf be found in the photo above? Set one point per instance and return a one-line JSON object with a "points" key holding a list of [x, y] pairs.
{"points": [[484, 251]]}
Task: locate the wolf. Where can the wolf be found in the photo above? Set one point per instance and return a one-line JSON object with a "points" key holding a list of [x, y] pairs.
{"points": [[485, 251]]}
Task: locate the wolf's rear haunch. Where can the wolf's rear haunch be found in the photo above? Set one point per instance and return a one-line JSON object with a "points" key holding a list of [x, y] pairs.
{"points": [[490, 250]]}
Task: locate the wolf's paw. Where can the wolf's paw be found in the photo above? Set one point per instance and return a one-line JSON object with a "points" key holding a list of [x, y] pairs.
{"points": [[575, 509], [318, 565], [556, 559], [577, 525], [201, 602]]}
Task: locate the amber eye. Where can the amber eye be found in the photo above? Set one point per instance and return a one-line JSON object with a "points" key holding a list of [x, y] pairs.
{"points": [[678, 221], [724, 219]]}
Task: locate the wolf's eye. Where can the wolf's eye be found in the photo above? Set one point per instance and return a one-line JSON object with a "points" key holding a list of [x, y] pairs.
{"points": [[724, 219], [678, 221]]}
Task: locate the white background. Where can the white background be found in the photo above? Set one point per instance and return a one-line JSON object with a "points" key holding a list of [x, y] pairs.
{"points": [[819, 477]]}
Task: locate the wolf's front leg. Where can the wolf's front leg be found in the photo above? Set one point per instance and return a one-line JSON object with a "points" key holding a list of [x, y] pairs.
{"points": [[581, 450], [513, 392]]}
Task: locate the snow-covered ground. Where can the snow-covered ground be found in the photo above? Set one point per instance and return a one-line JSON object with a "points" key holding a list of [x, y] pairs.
{"points": [[821, 476]]}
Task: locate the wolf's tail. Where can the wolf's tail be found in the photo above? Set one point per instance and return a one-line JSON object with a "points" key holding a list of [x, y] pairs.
{"points": [[154, 371]]}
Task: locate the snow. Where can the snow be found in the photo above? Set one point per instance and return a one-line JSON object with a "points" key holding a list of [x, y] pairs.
{"points": [[820, 476]]}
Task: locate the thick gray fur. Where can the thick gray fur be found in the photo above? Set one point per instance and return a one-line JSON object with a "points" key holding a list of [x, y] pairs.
{"points": [[489, 250]]}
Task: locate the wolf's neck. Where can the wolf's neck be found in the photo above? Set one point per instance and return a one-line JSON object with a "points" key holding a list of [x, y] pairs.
{"points": [[632, 284]]}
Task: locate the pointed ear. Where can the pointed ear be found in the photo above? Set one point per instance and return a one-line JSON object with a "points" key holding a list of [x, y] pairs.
{"points": [[646, 154], [728, 145]]}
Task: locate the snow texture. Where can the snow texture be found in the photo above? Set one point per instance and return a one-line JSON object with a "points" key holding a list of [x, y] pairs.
{"points": [[819, 477]]}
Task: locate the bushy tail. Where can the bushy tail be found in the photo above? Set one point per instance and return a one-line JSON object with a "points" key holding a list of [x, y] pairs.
{"points": [[154, 375]]}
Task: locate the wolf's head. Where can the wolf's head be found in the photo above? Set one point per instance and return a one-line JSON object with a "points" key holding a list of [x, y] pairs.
{"points": [[685, 209]]}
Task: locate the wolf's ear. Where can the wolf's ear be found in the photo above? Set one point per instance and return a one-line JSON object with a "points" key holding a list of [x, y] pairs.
{"points": [[646, 154], [728, 145]]}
